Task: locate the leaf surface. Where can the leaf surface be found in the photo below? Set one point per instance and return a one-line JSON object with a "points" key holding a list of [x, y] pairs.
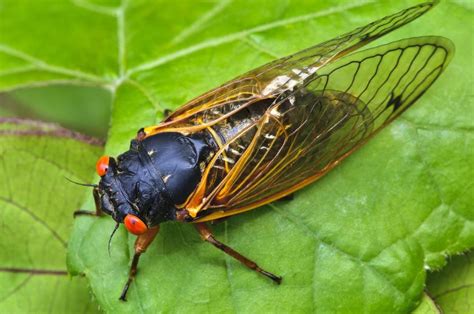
{"points": [[36, 205], [359, 240]]}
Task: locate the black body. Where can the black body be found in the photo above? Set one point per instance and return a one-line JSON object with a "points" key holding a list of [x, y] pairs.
{"points": [[154, 176]]}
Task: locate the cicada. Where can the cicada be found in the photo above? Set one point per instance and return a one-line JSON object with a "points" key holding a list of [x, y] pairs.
{"points": [[265, 134]]}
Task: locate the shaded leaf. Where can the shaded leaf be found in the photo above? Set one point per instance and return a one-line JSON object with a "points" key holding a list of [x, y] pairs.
{"points": [[36, 216], [79, 108], [453, 287], [427, 306]]}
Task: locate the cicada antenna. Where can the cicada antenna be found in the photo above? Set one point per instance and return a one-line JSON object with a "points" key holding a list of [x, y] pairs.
{"points": [[82, 184]]}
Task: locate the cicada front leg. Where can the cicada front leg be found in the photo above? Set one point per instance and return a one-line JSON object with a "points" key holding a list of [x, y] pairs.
{"points": [[141, 244], [207, 236], [98, 210]]}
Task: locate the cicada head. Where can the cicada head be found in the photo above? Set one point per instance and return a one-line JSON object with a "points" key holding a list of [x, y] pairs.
{"points": [[128, 193], [144, 186], [112, 199]]}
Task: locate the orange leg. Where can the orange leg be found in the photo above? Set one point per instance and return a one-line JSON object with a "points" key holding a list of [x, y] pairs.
{"points": [[207, 236], [141, 244]]}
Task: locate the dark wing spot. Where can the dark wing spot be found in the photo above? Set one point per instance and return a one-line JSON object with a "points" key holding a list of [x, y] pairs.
{"points": [[395, 102]]}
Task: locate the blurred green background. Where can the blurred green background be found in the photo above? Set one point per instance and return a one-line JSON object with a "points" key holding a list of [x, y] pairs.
{"points": [[83, 109]]}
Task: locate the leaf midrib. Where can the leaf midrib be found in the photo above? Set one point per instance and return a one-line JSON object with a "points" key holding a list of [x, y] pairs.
{"points": [[124, 74]]}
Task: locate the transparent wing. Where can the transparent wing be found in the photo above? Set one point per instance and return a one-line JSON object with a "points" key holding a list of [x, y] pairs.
{"points": [[279, 76], [305, 132]]}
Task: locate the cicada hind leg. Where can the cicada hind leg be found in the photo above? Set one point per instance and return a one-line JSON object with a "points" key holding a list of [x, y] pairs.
{"points": [[98, 210], [207, 236]]}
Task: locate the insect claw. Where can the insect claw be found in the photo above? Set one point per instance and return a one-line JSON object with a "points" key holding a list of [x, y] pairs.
{"points": [[276, 279], [123, 296]]}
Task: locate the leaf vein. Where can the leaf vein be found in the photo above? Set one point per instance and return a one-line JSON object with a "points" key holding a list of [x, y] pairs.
{"points": [[121, 44], [35, 218], [32, 271], [228, 270], [17, 70], [84, 4], [296, 221], [259, 48], [147, 94], [17, 288], [430, 127], [197, 25], [42, 65], [426, 169], [71, 82], [238, 35]]}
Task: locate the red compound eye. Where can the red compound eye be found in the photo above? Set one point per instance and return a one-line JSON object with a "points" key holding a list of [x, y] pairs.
{"points": [[102, 165], [134, 225]]}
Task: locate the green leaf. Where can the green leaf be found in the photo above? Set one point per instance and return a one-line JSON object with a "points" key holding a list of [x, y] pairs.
{"points": [[359, 240], [427, 306], [453, 287], [37, 204]]}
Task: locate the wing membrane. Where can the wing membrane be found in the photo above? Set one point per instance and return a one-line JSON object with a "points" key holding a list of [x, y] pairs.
{"points": [[282, 74], [285, 124], [305, 133]]}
